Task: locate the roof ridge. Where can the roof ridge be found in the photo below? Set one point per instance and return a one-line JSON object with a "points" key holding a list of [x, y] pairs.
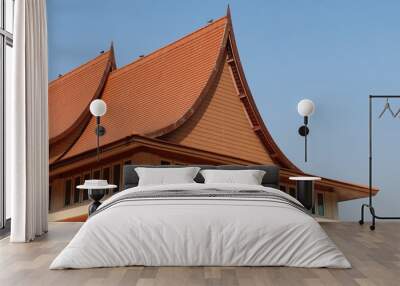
{"points": [[148, 56], [74, 70]]}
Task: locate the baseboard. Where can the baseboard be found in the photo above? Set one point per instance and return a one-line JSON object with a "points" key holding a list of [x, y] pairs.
{"points": [[5, 231]]}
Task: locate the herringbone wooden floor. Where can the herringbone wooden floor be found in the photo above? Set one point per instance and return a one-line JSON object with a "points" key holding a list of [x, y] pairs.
{"points": [[375, 257]]}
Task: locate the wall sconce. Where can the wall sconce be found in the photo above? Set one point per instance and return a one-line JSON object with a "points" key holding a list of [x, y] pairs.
{"points": [[305, 108], [98, 108]]}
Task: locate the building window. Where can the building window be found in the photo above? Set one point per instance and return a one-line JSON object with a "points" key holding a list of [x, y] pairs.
{"points": [[50, 196], [320, 204], [77, 192], [282, 188], [68, 187], [106, 176], [292, 192], [117, 177], [6, 61], [163, 162], [85, 195]]}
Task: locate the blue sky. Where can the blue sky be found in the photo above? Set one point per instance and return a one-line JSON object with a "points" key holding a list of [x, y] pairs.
{"points": [[333, 52]]}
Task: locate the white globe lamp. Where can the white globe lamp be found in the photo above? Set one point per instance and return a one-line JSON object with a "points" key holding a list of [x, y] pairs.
{"points": [[98, 108], [305, 108]]}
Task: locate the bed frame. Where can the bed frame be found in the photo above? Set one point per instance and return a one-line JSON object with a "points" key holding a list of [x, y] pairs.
{"points": [[271, 177]]}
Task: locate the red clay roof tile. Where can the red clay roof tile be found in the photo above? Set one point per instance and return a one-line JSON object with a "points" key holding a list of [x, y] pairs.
{"points": [[70, 94], [156, 91]]}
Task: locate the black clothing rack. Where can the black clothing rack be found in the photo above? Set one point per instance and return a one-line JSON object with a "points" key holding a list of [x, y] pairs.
{"points": [[369, 205]]}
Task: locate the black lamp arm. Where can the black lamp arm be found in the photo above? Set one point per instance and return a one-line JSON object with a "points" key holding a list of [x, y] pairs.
{"points": [[303, 131], [100, 131]]}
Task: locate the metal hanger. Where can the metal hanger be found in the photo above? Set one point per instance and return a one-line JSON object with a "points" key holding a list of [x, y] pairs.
{"points": [[397, 113], [387, 107]]}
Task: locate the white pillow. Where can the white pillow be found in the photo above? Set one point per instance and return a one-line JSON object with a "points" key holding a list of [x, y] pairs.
{"points": [[248, 177], [165, 176]]}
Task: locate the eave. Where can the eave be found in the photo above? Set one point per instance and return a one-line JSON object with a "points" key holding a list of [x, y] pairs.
{"points": [[129, 144], [345, 191], [135, 143]]}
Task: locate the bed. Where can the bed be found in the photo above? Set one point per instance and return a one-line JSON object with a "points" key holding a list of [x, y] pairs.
{"points": [[198, 224]]}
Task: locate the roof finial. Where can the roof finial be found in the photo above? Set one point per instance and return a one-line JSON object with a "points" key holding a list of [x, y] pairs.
{"points": [[112, 47], [228, 11], [112, 56]]}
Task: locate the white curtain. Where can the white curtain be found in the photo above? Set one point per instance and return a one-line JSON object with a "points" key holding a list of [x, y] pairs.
{"points": [[27, 123]]}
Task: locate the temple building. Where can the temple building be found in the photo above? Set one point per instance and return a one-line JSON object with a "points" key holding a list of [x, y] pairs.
{"points": [[186, 103]]}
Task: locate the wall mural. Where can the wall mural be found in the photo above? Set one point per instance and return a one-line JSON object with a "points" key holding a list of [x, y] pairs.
{"points": [[178, 91]]}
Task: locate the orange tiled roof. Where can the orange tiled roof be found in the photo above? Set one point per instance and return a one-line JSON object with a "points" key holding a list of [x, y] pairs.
{"points": [[155, 94], [156, 91], [70, 94]]}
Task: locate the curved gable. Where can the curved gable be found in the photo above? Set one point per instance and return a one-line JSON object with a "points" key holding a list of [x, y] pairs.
{"points": [[157, 93], [250, 106], [71, 94], [221, 125], [228, 121]]}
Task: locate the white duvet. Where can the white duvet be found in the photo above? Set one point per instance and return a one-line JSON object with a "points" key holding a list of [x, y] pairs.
{"points": [[200, 231]]}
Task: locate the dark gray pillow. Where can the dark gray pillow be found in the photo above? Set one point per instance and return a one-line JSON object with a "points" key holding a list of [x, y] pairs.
{"points": [[270, 179]]}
